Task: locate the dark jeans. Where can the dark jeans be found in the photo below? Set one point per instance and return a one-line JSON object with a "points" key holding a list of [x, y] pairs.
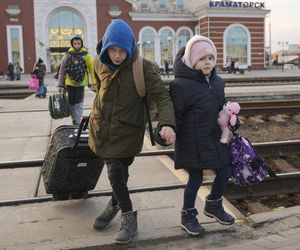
{"points": [[195, 181], [117, 170]]}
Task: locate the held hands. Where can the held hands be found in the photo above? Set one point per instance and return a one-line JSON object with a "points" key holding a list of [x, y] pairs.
{"points": [[167, 133]]}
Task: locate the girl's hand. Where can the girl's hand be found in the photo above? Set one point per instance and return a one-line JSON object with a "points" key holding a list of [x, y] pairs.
{"points": [[167, 133]]}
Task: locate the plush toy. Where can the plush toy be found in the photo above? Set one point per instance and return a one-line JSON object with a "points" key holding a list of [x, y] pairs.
{"points": [[228, 116]]}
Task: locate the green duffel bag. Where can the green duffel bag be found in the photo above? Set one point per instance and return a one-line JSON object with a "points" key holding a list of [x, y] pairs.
{"points": [[58, 106]]}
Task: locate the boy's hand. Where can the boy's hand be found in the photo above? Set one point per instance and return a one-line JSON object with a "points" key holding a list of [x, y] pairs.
{"points": [[167, 133]]}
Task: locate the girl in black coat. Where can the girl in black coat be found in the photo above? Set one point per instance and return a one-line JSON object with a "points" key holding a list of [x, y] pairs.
{"points": [[198, 96]]}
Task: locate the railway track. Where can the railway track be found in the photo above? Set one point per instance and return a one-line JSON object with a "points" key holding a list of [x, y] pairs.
{"points": [[289, 107], [255, 81], [261, 81], [20, 92], [285, 183]]}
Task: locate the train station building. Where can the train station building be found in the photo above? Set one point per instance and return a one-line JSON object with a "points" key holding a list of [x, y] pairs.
{"points": [[35, 29]]}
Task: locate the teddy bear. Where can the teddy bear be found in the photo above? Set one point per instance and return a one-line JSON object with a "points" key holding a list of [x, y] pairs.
{"points": [[227, 116]]}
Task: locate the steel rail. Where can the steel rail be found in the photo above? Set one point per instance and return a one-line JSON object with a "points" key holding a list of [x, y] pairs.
{"points": [[255, 81], [290, 180], [247, 107], [264, 148], [270, 107], [39, 162], [29, 111], [284, 183]]}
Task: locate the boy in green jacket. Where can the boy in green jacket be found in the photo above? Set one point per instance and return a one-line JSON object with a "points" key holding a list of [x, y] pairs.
{"points": [[118, 120]]}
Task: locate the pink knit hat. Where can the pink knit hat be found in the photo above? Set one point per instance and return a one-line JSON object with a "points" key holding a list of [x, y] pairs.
{"points": [[198, 47]]}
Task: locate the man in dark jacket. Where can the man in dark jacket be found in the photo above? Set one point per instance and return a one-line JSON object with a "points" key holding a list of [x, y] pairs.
{"points": [[118, 119], [10, 71]]}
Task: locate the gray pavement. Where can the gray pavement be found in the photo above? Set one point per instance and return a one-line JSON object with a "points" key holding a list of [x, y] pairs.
{"points": [[67, 224]]}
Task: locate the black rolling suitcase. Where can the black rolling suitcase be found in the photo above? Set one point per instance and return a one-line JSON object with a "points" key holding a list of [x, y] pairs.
{"points": [[70, 167]]}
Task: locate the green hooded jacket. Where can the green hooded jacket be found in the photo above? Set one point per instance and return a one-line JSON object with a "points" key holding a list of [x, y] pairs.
{"points": [[118, 117]]}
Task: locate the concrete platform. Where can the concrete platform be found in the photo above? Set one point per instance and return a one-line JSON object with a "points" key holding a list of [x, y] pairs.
{"points": [[24, 135]]}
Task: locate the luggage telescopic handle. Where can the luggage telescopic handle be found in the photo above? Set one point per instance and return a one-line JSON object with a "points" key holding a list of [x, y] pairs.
{"points": [[83, 126]]}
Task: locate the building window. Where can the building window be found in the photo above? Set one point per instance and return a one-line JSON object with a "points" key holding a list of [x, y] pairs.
{"points": [[183, 36], [114, 11], [15, 44], [179, 4], [13, 7], [166, 46], [63, 26], [144, 4], [148, 46], [236, 42], [114, 7], [162, 4]]}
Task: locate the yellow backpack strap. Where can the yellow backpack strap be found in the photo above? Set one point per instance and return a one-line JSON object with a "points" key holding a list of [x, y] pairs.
{"points": [[138, 76]]}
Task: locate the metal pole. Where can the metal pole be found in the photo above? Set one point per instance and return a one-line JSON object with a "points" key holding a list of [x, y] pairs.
{"points": [[282, 56]]}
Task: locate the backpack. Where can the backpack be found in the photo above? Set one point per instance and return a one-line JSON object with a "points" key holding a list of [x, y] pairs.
{"points": [[139, 81], [76, 66], [247, 166]]}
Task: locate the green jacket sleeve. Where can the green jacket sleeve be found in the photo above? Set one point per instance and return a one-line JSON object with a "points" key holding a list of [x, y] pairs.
{"points": [[158, 92]]}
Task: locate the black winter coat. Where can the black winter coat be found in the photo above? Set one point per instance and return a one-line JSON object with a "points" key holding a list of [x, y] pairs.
{"points": [[197, 104]]}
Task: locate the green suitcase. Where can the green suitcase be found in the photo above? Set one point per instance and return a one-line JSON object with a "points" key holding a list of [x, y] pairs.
{"points": [[58, 106]]}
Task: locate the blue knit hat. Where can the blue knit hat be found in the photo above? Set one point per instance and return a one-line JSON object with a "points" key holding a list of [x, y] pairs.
{"points": [[117, 34]]}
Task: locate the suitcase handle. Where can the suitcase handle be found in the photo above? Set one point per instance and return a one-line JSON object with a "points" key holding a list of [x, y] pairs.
{"points": [[82, 127]]}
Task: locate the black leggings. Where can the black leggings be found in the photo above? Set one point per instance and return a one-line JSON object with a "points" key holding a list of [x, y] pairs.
{"points": [[117, 170], [195, 181]]}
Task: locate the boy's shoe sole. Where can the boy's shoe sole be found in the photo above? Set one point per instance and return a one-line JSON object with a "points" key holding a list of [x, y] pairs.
{"points": [[125, 242], [220, 221]]}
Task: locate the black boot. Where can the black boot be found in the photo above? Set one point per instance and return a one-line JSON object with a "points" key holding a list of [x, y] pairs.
{"points": [[214, 209], [190, 223], [128, 228], [106, 216]]}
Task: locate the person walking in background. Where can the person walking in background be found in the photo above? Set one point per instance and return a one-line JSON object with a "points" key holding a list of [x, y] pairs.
{"points": [[118, 120], [166, 68], [17, 71], [73, 76], [232, 69], [198, 96], [236, 66], [10, 72], [39, 69]]}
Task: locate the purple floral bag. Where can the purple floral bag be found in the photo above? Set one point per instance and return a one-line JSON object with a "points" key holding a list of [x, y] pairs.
{"points": [[247, 166]]}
